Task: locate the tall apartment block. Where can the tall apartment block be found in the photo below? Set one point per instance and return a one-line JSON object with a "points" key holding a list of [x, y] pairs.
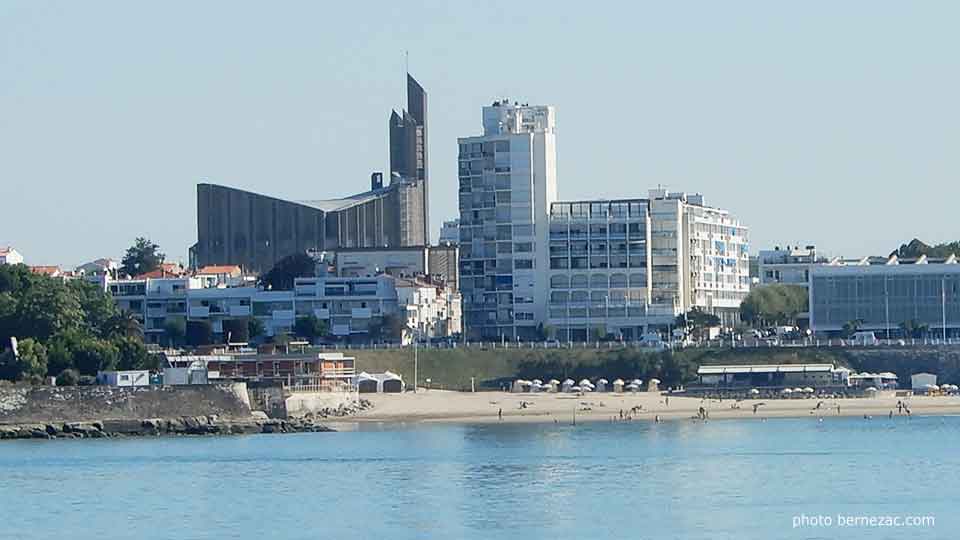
{"points": [[508, 180]]}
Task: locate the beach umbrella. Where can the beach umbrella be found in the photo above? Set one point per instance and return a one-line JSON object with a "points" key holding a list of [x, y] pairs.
{"points": [[786, 391], [603, 381], [638, 382], [553, 382], [808, 390], [618, 381], [655, 381], [633, 387], [537, 381], [798, 390], [575, 389], [871, 389], [585, 381], [586, 388], [569, 381], [754, 391]]}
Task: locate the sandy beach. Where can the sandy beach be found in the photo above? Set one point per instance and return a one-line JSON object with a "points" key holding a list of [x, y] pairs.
{"points": [[446, 406]]}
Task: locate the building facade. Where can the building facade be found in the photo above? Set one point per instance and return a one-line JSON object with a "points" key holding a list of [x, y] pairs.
{"points": [[881, 296], [621, 267], [508, 179], [790, 266], [8, 255], [255, 231], [450, 233]]}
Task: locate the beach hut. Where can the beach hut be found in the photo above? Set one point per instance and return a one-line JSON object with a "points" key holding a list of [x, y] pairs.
{"points": [[567, 385], [367, 384], [618, 386], [391, 383], [552, 385], [653, 385], [602, 385]]}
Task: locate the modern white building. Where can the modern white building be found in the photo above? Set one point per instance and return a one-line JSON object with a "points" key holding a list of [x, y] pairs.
{"points": [[790, 265], [882, 294], [431, 311], [508, 179], [619, 267], [8, 255]]}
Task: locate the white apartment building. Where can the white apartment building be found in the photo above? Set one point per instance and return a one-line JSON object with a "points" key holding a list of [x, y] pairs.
{"points": [[431, 311], [508, 179], [8, 255], [349, 305], [619, 267]]}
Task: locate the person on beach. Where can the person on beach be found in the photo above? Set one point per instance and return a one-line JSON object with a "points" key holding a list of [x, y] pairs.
{"points": [[891, 414], [666, 401], [899, 407], [500, 414]]}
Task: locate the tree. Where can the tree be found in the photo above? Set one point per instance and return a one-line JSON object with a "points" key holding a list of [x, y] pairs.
{"points": [[914, 329], [915, 248], [29, 361], [123, 324], [255, 328], [68, 377], [774, 304], [44, 309], [287, 269], [392, 327], [199, 333], [175, 331], [310, 327], [100, 311], [131, 353], [94, 355], [236, 330], [142, 257], [850, 328]]}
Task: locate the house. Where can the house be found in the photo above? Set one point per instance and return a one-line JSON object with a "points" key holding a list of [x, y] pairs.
{"points": [[8, 255], [99, 267], [165, 270], [49, 271], [225, 275]]}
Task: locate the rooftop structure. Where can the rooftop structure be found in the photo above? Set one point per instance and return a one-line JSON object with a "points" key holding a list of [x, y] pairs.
{"points": [[8, 255]]}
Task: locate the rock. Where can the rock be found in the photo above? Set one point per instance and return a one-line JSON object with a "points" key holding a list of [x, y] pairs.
{"points": [[124, 427]]}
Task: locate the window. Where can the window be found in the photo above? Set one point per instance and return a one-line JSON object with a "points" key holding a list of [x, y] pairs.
{"points": [[523, 264]]}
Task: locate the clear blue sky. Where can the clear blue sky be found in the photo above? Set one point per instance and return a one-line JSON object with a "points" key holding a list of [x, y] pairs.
{"points": [[834, 123]]}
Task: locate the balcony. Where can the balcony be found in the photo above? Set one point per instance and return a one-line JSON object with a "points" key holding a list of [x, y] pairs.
{"points": [[239, 311], [321, 313], [282, 315], [201, 312], [360, 313]]}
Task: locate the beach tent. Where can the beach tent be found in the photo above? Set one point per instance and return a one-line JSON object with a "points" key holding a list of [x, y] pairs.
{"points": [[618, 386], [519, 386], [367, 384], [653, 385], [567, 385], [391, 383], [602, 385]]}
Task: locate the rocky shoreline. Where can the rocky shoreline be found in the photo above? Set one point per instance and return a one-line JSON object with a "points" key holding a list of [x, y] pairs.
{"points": [[153, 427]]}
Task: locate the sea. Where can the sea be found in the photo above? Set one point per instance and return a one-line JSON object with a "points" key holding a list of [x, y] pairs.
{"points": [[844, 478]]}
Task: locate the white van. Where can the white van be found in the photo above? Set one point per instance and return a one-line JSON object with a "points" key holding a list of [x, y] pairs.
{"points": [[864, 338]]}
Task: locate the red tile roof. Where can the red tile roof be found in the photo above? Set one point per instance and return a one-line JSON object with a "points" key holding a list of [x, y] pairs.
{"points": [[230, 269], [45, 270]]}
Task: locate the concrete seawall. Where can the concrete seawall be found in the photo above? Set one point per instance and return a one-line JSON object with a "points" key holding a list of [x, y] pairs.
{"points": [[40, 404]]}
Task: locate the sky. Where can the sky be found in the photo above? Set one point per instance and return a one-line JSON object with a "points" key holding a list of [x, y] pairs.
{"points": [[827, 123]]}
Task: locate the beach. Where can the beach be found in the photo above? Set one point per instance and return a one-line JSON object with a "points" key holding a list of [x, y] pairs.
{"points": [[448, 406]]}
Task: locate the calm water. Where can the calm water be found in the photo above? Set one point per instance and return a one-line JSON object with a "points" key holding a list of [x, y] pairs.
{"points": [[724, 479]]}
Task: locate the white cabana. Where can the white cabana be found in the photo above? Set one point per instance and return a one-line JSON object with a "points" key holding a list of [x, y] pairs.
{"points": [[391, 383], [633, 387], [520, 386], [602, 385], [567, 385], [653, 385], [618, 386]]}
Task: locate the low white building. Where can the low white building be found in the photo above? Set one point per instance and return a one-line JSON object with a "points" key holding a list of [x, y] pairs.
{"points": [[124, 378], [8, 255], [789, 266], [921, 382]]}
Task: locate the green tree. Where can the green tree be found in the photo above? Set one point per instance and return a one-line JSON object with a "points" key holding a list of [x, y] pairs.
{"points": [[29, 361], [850, 328], [94, 355], [142, 257], [392, 327], [255, 328], [46, 308], [310, 327], [175, 331], [199, 333], [774, 304], [100, 312], [68, 377], [287, 269], [914, 329], [915, 248], [131, 353], [236, 331]]}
